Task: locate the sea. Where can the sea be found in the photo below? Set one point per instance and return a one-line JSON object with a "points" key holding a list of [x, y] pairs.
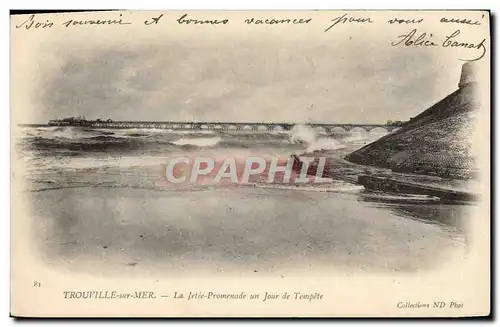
{"points": [[93, 198], [78, 147]]}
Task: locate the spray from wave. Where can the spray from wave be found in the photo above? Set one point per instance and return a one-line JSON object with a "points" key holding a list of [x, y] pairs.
{"points": [[306, 135]]}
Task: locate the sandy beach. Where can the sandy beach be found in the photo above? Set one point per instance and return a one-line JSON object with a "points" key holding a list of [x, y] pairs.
{"points": [[103, 211]]}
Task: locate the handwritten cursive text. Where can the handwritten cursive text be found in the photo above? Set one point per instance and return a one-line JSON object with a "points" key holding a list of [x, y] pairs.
{"points": [[277, 21], [153, 20], [460, 21], [405, 21], [31, 23], [185, 20], [346, 19], [73, 22]]}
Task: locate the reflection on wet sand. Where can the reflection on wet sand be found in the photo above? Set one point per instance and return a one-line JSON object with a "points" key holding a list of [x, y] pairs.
{"points": [[112, 228], [426, 209]]}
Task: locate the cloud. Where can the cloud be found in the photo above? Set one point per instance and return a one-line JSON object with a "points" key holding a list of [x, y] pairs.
{"points": [[247, 81]]}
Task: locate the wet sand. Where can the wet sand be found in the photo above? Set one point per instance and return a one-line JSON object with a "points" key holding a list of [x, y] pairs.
{"points": [[132, 230], [116, 221]]}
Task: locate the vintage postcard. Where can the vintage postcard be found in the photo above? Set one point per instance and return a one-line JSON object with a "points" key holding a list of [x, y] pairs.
{"points": [[250, 164]]}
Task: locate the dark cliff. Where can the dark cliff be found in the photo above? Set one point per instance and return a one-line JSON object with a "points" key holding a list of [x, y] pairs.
{"points": [[436, 142]]}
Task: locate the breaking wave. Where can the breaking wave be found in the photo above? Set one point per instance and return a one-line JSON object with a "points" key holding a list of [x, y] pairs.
{"points": [[307, 136], [201, 142], [95, 145]]}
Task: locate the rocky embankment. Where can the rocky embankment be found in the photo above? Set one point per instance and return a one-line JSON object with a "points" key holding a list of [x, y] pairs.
{"points": [[437, 142]]}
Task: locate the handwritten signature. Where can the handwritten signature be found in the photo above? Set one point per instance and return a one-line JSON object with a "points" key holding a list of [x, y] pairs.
{"points": [[422, 39]]}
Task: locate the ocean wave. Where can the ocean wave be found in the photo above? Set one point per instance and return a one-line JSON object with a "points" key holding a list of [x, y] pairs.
{"points": [[80, 142], [64, 133], [102, 143], [105, 138], [72, 133], [201, 142], [48, 128], [324, 144], [308, 136]]}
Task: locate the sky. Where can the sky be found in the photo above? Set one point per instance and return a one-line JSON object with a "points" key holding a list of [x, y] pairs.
{"points": [[245, 80]]}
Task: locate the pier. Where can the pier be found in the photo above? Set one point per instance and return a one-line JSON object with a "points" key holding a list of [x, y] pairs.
{"points": [[224, 126]]}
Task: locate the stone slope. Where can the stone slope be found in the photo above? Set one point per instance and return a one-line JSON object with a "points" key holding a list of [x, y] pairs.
{"points": [[436, 142]]}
